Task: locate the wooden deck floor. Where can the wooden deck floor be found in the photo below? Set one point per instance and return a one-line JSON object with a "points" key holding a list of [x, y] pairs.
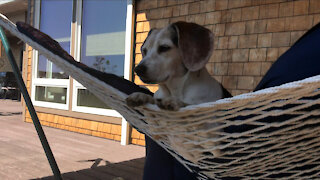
{"points": [[78, 156]]}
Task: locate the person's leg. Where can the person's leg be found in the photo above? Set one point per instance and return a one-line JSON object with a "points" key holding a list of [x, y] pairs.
{"points": [[160, 165]]}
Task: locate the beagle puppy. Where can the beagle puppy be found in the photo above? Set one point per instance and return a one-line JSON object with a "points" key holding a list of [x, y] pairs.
{"points": [[174, 57]]}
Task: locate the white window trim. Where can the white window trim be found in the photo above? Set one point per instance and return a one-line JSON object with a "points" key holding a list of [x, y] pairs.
{"points": [[45, 81], [127, 62]]}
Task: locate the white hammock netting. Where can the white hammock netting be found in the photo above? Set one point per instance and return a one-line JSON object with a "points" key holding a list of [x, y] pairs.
{"points": [[271, 133]]}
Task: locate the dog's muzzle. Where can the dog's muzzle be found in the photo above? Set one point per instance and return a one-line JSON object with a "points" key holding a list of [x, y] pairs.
{"points": [[141, 71]]}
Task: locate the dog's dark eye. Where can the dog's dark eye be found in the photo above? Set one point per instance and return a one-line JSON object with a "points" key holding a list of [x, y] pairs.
{"points": [[144, 52], [163, 48]]}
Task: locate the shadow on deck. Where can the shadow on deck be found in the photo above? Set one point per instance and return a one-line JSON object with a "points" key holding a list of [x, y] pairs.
{"points": [[127, 170]]}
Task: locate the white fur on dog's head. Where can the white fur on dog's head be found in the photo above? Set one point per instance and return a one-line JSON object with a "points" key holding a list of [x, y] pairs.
{"points": [[172, 51]]}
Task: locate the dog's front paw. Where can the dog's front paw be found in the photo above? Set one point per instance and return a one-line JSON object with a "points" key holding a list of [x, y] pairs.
{"points": [[171, 104], [139, 99]]}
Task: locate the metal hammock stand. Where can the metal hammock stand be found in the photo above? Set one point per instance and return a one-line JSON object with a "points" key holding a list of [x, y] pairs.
{"points": [[267, 134]]}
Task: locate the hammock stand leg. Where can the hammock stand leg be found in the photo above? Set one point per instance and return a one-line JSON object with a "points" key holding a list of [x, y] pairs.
{"points": [[37, 125]]}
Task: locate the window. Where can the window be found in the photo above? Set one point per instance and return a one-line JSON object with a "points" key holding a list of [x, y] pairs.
{"points": [[51, 94], [103, 35], [58, 26], [50, 83], [100, 39], [102, 44]]}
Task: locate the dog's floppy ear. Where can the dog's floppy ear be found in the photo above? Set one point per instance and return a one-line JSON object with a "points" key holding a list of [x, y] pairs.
{"points": [[195, 43]]}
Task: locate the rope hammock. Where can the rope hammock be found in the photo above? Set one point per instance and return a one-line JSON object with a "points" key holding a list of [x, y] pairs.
{"points": [[271, 133]]}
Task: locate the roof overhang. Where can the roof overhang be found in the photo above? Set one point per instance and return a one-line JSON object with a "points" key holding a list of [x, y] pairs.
{"points": [[12, 6]]}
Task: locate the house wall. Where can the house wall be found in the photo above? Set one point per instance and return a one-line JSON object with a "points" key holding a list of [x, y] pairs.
{"points": [[249, 34], [95, 125]]}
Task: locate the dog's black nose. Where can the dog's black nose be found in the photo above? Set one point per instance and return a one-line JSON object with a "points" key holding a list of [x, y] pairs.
{"points": [[140, 69]]}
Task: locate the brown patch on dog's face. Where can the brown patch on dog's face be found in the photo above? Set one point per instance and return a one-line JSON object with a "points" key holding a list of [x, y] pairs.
{"points": [[161, 57]]}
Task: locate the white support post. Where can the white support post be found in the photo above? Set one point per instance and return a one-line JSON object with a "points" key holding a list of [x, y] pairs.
{"points": [[125, 132], [127, 65]]}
